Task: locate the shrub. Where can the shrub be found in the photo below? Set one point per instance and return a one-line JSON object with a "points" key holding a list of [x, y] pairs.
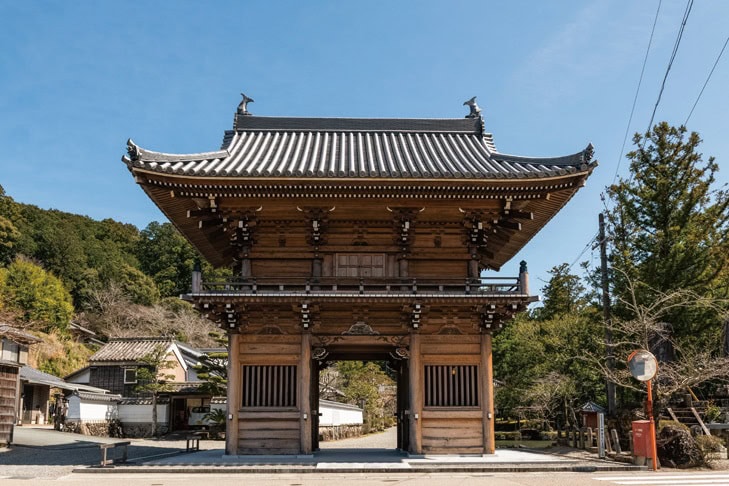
{"points": [[712, 412], [709, 443], [548, 435], [508, 435]]}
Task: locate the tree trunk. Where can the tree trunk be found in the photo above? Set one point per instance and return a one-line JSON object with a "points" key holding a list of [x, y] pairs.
{"points": [[155, 431]]}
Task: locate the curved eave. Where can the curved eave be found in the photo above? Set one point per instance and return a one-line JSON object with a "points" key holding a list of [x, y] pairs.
{"points": [[367, 156], [175, 195]]}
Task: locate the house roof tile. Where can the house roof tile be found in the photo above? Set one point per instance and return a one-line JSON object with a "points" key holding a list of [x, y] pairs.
{"points": [[128, 349], [327, 148]]}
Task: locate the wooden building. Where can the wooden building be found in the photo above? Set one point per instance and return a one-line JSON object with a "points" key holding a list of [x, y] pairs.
{"points": [[14, 345], [359, 239]]}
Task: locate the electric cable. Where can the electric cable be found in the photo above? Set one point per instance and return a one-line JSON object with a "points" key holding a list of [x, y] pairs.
{"points": [[706, 82], [679, 36], [637, 91]]}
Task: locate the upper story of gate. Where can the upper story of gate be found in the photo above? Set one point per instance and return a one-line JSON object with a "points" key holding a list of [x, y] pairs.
{"points": [[297, 198]]}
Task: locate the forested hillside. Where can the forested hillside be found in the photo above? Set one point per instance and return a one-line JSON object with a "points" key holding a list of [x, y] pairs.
{"points": [[57, 268]]}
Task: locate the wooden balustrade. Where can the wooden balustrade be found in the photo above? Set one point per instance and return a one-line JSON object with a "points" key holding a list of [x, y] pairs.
{"points": [[364, 286]]}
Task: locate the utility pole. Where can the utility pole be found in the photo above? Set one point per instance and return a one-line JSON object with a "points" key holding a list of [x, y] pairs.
{"points": [[606, 316]]}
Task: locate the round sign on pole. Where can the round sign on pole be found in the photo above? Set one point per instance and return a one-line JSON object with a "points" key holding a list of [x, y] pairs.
{"points": [[642, 365]]}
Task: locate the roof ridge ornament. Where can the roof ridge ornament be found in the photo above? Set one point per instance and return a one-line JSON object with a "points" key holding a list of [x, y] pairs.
{"points": [[133, 150], [475, 110], [243, 105], [588, 153]]}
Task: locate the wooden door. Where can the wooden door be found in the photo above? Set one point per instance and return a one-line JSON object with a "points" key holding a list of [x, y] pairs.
{"points": [[403, 406], [360, 265], [315, 412]]}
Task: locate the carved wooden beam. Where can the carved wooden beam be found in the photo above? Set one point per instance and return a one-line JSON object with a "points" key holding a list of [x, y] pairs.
{"points": [[403, 226]]}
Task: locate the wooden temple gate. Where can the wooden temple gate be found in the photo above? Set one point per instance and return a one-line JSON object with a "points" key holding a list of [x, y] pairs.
{"points": [[359, 239]]}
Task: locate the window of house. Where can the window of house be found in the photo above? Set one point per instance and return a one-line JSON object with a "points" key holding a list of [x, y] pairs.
{"points": [[130, 375], [269, 386], [451, 386], [9, 350]]}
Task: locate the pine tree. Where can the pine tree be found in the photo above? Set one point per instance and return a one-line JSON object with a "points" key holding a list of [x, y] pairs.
{"points": [[670, 226]]}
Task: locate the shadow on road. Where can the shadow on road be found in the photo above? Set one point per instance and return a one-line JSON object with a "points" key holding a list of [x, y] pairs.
{"points": [[48, 447]]}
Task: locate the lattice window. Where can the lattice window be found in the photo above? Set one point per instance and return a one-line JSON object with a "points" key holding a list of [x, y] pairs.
{"points": [[451, 386], [269, 386]]}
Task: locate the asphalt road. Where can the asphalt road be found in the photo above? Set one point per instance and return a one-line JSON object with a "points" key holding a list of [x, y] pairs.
{"points": [[382, 479], [48, 458], [42, 453]]}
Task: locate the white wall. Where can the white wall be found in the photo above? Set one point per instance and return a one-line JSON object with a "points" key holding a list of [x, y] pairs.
{"points": [[142, 413], [87, 410], [333, 414]]}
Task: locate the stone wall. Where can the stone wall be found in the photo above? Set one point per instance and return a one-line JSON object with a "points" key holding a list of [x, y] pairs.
{"points": [[338, 432], [98, 429]]}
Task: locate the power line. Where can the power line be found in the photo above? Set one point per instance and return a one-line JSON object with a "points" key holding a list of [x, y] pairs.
{"points": [[637, 90], [587, 247], [686, 14], [706, 82]]}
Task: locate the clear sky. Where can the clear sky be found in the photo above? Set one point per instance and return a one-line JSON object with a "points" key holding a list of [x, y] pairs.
{"points": [[77, 78]]}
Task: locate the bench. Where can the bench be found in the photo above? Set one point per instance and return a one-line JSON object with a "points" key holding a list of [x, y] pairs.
{"points": [[193, 440], [105, 461]]}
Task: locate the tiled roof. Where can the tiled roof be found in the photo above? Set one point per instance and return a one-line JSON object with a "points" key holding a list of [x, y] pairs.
{"points": [[591, 406], [128, 349], [143, 401], [325, 148], [17, 335], [34, 376], [98, 397]]}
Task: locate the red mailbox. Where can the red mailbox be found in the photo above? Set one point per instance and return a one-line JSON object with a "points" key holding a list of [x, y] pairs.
{"points": [[642, 439]]}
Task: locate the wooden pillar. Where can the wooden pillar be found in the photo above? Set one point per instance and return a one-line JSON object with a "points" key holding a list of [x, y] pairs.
{"points": [[416, 395], [234, 393], [316, 267], [487, 394], [305, 393], [473, 272], [245, 267]]}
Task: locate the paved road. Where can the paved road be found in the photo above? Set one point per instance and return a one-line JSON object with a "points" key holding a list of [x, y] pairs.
{"points": [[46, 453], [382, 479], [48, 457]]}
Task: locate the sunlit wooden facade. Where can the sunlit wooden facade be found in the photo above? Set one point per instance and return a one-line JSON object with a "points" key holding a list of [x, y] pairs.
{"points": [[359, 239]]}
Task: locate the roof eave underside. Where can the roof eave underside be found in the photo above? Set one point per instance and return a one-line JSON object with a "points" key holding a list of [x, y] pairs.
{"points": [[161, 188]]}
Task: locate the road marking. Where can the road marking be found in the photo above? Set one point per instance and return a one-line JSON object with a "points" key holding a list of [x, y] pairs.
{"points": [[669, 480]]}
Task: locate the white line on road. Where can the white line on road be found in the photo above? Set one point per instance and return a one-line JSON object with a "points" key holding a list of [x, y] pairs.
{"points": [[649, 476], [676, 480]]}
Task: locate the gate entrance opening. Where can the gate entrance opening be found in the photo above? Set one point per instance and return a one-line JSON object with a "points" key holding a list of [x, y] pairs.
{"points": [[359, 406]]}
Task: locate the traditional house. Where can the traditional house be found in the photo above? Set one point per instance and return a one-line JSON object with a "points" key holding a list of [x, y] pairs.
{"points": [[359, 239], [37, 400], [114, 367], [14, 345]]}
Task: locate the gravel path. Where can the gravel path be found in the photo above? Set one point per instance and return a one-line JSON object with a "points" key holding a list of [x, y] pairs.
{"points": [[379, 440]]}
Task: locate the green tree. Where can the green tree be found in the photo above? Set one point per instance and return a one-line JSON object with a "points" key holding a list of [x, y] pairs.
{"points": [[167, 257], [212, 369], [670, 226], [538, 356], [563, 294], [364, 384], [9, 237], [36, 295], [153, 380]]}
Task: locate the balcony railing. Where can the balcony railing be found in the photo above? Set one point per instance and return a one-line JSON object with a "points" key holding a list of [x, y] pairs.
{"points": [[362, 286]]}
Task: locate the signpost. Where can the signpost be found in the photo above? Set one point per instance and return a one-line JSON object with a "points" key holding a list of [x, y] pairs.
{"points": [[643, 366]]}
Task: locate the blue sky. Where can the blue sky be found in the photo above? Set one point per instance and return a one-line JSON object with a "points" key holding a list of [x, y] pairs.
{"points": [[77, 78]]}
